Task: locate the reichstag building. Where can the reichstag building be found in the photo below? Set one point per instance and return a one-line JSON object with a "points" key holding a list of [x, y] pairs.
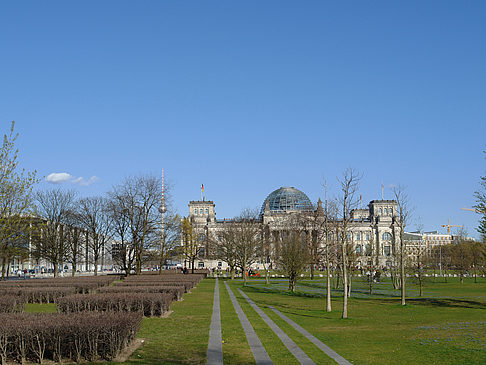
{"points": [[373, 232]]}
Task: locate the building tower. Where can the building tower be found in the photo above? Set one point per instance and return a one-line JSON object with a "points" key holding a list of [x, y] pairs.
{"points": [[162, 210]]}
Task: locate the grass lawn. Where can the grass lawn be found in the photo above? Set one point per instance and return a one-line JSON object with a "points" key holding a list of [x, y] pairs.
{"points": [[447, 326], [181, 338], [40, 308]]}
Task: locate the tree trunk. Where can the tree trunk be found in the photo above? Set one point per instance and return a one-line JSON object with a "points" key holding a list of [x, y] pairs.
{"points": [[73, 270], [349, 284], [192, 269], [345, 283], [96, 266], [245, 277], [4, 263], [232, 273], [402, 273], [370, 279], [312, 272], [328, 294], [56, 267], [292, 280]]}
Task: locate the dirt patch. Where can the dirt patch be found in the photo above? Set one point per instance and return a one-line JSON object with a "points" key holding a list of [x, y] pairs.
{"points": [[130, 349]]}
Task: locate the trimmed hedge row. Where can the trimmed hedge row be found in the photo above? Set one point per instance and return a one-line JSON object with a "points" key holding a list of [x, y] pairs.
{"points": [[176, 291], [195, 278], [131, 284], [11, 304], [89, 336], [82, 286], [150, 304], [38, 295]]}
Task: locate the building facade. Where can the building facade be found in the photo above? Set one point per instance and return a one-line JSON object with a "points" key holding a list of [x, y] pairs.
{"points": [[373, 233]]}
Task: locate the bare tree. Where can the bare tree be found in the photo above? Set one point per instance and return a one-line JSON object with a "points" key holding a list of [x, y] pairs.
{"points": [[16, 199], [94, 217], [247, 240], [403, 217], [123, 250], [190, 246], [54, 207], [224, 246], [330, 214], [265, 252], [349, 187], [172, 238], [480, 207], [138, 200], [292, 255], [75, 242], [462, 257]]}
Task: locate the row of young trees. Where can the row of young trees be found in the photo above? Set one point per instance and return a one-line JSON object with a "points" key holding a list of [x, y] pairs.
{"points": [[128, 217], [305, 241], [55, 226]]}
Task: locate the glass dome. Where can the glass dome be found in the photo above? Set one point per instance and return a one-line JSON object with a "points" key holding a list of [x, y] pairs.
{"points": [[287, 199]]}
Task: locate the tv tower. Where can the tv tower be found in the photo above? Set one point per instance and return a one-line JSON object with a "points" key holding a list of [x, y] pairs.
{"points": [[162, 210]]}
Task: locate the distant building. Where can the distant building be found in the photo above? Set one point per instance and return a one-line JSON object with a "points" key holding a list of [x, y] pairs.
{"points": [[373, 232]]}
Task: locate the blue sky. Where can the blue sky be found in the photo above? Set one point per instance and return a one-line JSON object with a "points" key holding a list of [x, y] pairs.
{"points": [[248, 96]]}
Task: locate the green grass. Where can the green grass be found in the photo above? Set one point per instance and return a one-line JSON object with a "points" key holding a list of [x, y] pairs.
{"points": [[40, 308], [181, 338], [445, 326]]}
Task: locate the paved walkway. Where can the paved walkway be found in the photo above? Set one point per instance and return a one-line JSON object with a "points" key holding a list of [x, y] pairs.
{"points": [[286, 340], [326, 349], [215, 346], [259, 352]]}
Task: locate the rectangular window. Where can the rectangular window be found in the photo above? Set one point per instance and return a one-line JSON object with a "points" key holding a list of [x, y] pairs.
{"points": [[200, 265]]}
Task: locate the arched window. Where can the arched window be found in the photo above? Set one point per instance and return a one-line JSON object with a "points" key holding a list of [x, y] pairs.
{"points": [[201, 211], [358, 249], [381, 211], [358, 236], [368, 250], [386, 236], [387, 251], [207, 211], [386, 211], [195, 211], [367, 236], [391, 210]]}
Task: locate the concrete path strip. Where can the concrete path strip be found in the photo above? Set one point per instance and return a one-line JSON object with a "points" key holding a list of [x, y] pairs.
{"points": [[259, 352], [215, 345], [326, 349], [300, 355]]}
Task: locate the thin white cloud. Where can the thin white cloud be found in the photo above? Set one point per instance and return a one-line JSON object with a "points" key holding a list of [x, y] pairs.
{"points": [[64, 177], [58, 177], [91, 180]]}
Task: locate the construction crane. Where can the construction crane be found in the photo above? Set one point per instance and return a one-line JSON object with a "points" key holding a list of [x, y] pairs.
{"points": [[449, 226], [471, 210]]}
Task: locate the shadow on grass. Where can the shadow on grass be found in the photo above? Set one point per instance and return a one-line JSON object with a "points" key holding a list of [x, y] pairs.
{"points": [[447, 302]]}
